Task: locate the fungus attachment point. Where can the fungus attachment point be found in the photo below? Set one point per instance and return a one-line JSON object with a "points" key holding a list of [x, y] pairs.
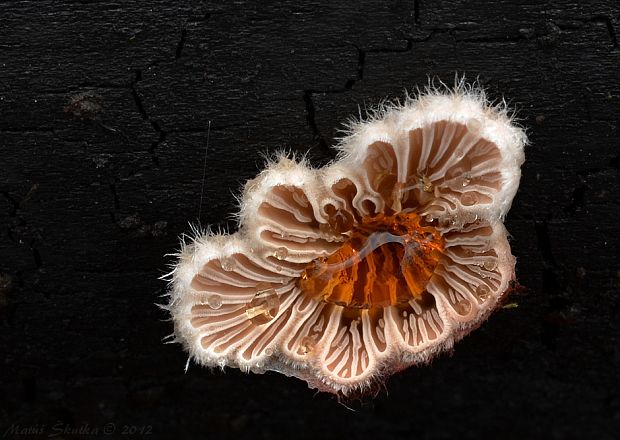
{"points": [[380, 260], [388, 260]]}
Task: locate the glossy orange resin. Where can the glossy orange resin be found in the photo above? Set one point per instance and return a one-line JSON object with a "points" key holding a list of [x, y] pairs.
{"points": [[388, 260]]}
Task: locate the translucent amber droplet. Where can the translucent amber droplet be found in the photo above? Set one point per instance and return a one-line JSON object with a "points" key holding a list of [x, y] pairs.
{"points": [[490, 264], [468, 199], [463, 307], [387, 260], [483, 291], [264, 306], [427, 185]]}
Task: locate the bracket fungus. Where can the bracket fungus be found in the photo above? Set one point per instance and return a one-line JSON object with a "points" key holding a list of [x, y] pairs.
{"points": [[380, 260]]}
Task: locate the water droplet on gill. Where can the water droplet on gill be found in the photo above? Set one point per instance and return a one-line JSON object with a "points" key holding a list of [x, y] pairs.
{"points": [[268, 351], [306, 345], [465, 179], [463, 307], [468, 199], [214, 301], [490, 264], [448, 221], [483, 291], [429, 218], [264, 306], [474, 126], [228, 263], [281, 253], [278, 268], [427, 185]]}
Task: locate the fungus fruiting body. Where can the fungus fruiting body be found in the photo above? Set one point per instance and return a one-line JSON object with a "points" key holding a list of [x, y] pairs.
{"points": [[380, 260]]}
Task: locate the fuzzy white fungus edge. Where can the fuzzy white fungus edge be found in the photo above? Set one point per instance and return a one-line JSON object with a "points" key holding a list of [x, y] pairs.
{"points": [[461, 104]]}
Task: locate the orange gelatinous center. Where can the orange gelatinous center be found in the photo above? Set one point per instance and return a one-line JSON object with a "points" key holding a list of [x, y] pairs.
{"points": [[387, 260]]}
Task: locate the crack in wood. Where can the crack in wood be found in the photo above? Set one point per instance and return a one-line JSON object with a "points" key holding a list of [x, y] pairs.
{"points": [[361, 62], [310, 118], [14, 203], [12, 230], [610, 27], [181, 44], [162, 134], [116, 200]]}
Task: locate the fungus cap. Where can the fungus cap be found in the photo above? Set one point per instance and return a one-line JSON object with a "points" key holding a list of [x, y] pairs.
{"points": [[344, 274]]}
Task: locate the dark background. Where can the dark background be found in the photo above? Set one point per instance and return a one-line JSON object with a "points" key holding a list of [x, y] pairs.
{"points": [[104, 110]]}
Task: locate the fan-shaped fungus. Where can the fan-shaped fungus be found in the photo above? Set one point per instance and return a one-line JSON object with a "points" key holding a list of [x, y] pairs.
{"points": [[380, 260]]}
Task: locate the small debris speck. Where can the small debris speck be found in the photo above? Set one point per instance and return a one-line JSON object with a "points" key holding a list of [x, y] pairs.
{"points": [[85, 105], [510, 306], [138, 228], [130, 222], [581, 272], [6, 287]]}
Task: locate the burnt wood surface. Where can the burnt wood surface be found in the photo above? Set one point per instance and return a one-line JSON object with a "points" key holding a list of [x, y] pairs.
{"points": [[104, 113]]}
